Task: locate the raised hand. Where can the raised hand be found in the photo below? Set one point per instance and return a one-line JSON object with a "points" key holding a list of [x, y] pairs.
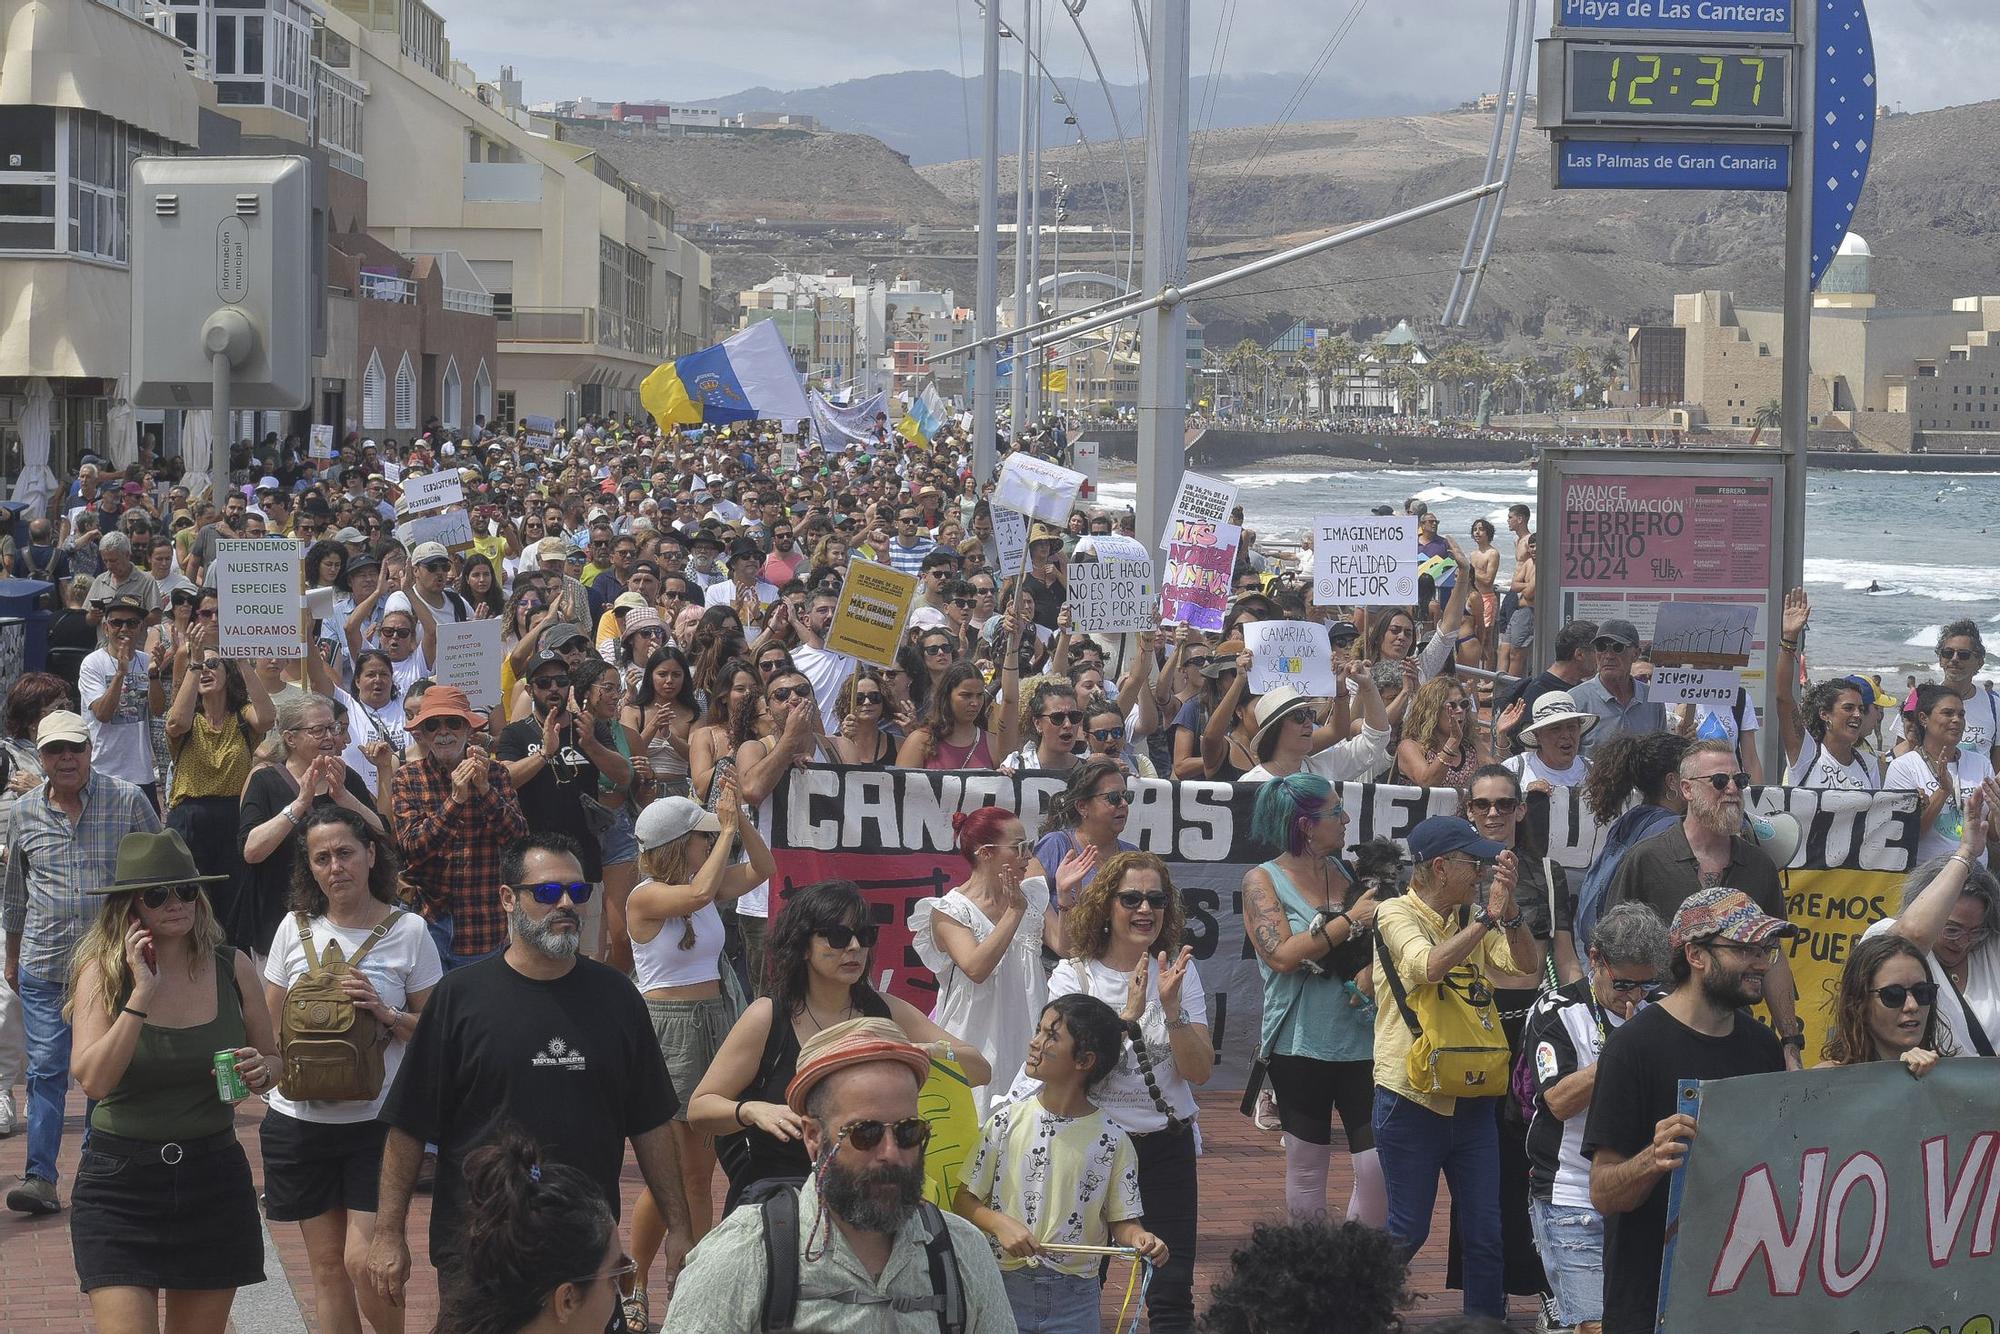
{"points": [[1173, 972], [1798, 611]]}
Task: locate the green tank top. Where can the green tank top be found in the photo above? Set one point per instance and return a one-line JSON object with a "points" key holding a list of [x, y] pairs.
{"points": [[168, 1092]]}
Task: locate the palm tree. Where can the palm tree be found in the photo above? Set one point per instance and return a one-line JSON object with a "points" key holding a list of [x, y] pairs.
{"points": [[1408, 386], [1319, 361], [1771, 414], [1243, 362]]}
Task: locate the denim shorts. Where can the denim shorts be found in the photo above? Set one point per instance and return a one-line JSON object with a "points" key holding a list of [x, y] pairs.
{"points": [[1048, 1301], [619, 843], [1571, 1244]]}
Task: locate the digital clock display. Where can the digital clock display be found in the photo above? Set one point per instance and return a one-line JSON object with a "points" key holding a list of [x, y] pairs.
{"points": [[1720, 85]]}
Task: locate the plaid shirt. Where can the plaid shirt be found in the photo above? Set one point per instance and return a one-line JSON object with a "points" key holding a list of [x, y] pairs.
{"points": [[51, 863], [452, 853]]}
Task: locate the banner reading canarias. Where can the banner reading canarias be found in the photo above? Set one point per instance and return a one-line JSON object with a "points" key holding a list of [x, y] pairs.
{"points": [[889, 830]]}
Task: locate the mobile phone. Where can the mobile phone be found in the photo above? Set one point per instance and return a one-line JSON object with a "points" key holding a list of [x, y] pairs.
{"points": [[146, 950]]}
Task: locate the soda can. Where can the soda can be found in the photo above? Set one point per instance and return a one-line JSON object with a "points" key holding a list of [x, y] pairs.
{"points": [[229, 1085]]}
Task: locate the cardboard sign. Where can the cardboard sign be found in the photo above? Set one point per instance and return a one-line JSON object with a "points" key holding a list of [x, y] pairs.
{"points": [[392, 471], [1038, 488], [432, 491], [1111, 587], [538, 433], [1201, 500], [1703, 634], [451, 527], [788, 452], [1289, 653], [1200, 558], [258, 599], [868, 620], [1083, 455], [320, 444], [1010, 536], [1695, 685], [467, 655], [1364, 560]]}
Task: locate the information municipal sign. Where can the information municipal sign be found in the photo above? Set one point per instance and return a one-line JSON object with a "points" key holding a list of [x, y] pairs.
{"points": [[1657, 164], [1745, 17]]}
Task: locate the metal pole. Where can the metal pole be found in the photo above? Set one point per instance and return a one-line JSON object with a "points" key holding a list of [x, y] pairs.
{"points": [[985, 410], [1055, 269], [1492, 158], [1499, 201], [1796, 427], [1017, 368], [1162, 446], [222, 439], [1035, 222]]}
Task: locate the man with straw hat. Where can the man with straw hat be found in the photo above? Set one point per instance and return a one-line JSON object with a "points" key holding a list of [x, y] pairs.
{"points": [[879, 1257]]}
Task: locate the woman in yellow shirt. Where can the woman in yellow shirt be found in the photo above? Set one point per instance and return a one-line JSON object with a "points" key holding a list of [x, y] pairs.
{"points": [[219, 715]]}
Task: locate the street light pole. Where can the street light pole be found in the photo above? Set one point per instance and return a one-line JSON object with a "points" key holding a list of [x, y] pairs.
{"points": [[1162, 446], [1017, 367], [1035, 224], [985, 410]]}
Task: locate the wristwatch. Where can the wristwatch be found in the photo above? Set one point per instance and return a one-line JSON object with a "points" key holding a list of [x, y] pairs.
{"points": [[1487, 919]]}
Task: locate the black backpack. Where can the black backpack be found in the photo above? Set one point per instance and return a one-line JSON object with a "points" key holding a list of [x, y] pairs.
{"points": [[781, 1261]]}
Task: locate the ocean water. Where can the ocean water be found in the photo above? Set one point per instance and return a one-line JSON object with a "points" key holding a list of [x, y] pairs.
{"points": [[1926, 541]]}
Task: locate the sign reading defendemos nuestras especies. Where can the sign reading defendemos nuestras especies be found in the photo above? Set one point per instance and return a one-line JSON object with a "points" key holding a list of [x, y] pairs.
{"points": [[1365, 560], [258, 599], [1111, 587], [868, 620]]}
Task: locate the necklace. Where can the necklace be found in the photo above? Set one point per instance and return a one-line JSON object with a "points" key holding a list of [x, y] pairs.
{"points": [[817, 1025]]}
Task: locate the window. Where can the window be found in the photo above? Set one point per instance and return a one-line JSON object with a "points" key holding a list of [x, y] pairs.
{"points": [[406, 396], [503, 408], [450, 392], [374, 395], [100, 162], [482, 393], [28, 178]]}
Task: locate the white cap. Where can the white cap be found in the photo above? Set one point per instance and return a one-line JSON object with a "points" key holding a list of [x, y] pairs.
{"points": [[672, 818], [429, 551]]}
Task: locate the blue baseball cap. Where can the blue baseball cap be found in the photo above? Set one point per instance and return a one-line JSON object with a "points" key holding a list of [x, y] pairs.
{"points": [[1444, 834]]}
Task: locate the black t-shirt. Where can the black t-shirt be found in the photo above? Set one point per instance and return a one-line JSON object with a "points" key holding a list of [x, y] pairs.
{"points": [[572, 1062], [266, 888], [552, 801], [1638, 1083]]}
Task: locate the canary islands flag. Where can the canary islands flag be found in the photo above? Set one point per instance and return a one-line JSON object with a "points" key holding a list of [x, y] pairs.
{"points": [[748, 376]]}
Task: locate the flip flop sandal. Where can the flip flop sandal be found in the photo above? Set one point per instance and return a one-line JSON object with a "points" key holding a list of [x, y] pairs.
{"points": [[638, 1318]]}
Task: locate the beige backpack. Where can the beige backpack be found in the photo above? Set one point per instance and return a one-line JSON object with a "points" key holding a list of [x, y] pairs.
{"points": [[332, 1050]]}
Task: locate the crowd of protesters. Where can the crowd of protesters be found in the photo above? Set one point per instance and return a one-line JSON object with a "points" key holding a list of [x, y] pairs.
{"points": [[573, 947]]}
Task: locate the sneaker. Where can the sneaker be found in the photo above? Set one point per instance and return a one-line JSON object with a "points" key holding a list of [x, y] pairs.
{"points": [[10, 1120], [1266, 1117], [34, 1196], [426, 1174]]}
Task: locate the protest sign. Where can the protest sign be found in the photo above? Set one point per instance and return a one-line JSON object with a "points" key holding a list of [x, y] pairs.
{"points": [[1782, 1219], [320, 444], [1201, 499], [257, 598], [432, 491], [538, 433], [1037, 488], [452, 527], [868, 620], [1289, 653], [1010, 536], [1694, 685], [1083, 456], [1364, 560], [467, 655], [1111, 587], [788, 452], [1703, 634], [392, 471], [1195, 588]]}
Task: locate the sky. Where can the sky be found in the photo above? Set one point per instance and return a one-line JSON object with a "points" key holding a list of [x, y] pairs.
{"points": [[1930, 53]]}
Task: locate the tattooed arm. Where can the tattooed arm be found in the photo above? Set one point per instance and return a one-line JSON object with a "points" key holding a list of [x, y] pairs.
{"points": [[1271, 935]]}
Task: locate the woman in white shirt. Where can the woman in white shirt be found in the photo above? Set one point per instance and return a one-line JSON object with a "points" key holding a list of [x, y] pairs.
{"points": [[322, 1160], [1936, 767], [1554, 739], [1287, 729]]}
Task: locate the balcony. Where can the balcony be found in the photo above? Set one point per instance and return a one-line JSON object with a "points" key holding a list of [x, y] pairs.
{"points": [[387, 287], [503, 182], [580, 324], [467, 302]]}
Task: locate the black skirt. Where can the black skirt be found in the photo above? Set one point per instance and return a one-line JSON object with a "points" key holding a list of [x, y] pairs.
{"points": [[170, 1216]]}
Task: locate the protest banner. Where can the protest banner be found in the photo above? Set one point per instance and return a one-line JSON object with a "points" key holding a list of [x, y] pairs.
{"points": [[1788, 1192], [467, 655], [1083, 456], [1694, 685], [1037, 488], [452, 527], [1111, 587], [1289, 653], [432, 491], [1364, 560], [538, 433], [890, 832], [788, 452], [1200, 558], [319, 445], [836, 426], [1200, 500], [868, 620], [1010, 537], [392, 471], [258, 597]]}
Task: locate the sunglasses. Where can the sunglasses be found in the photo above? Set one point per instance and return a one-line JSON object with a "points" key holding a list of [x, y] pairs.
{"points": [[1063, 717], [1609, 646], [841, 937], [770, 665], [1721, 782], [64, 748], [1625, 986], [126, 623], [1117, 796], [963, 602], [1132, 900], [436, 566], [430, 725], [1108, 733], [393, 632], [157, 897], [1484, 805], [941, 650], [1195, 664], [783, 693], [867, 697], [1957, 654], [1896, 993], [550, 683], [548, 893], [911, 1132]]}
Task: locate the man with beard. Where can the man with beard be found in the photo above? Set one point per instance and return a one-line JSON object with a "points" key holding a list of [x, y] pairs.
{"points": [[867, 1252], [1723, 947], [538, 1038], [1706, 849]]}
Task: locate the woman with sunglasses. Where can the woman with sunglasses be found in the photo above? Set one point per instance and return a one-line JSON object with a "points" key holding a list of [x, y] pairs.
{"points": [[1057, 721], [1939, 769], [735, 705], [1442, 744], [1886, 1009], [219, 716], [323, 1158], [1104, 738], [1308, 917], [1082, 826], [860, 709], [983, 942], [819, 968], [164, 1203], [598, 694], [951, 735], [661, 711], [310, 773], [1125, 949]]}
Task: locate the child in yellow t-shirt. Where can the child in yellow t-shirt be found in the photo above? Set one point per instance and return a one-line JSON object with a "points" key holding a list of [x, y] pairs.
{"points": [[1052, 1170]]}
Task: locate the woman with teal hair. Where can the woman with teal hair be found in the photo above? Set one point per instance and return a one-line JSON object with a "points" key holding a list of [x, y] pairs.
{"points": [[1309, 921]]}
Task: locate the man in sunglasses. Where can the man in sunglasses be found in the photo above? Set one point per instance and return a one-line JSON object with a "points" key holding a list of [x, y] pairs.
{"points": [[544, 756], [542, 1037], [1723, 946], [62, 839], [1614, 697], [880, 1259], [828, 671], [455, 809], [121, 696], [429, 581], [1708, 848]]}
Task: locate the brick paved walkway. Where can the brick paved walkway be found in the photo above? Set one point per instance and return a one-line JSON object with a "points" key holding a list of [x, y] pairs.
{"points": [[1242, 1182]]}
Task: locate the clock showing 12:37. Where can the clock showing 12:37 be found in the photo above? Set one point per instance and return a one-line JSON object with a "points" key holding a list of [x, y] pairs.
{"points": [[1669, 84]]}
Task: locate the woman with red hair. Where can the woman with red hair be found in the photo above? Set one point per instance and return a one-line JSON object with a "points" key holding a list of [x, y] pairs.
{"points": [[984, 940]]}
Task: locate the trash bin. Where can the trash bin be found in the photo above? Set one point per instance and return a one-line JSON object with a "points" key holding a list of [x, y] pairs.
{"points": [[32, 602], [14, 520]]}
